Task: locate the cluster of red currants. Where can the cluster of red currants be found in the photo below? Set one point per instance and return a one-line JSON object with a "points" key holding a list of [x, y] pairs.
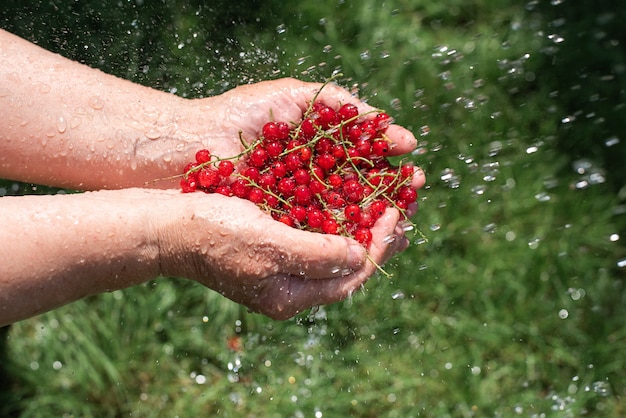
{"points": [[329, 173]]}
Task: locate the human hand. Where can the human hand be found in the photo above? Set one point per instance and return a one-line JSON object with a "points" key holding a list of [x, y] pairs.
{"points": [[218, 121], [232, 247]]}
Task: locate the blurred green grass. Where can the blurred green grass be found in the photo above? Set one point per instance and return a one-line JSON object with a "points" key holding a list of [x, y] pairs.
{"points": [[513, 307]]}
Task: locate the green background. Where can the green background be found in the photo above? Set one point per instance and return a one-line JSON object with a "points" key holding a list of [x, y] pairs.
{"points": [[515, 304]]}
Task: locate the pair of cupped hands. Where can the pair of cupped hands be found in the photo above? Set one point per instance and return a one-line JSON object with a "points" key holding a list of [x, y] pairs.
{"points": [[233, 247]]}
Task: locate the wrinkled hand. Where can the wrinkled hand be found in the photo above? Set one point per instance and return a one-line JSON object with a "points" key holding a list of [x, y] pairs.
{"points": [[234, 248]]}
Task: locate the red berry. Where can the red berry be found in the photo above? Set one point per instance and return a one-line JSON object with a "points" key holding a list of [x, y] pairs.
{"points": [[302, 176], [305, 154], [407, 171], [189, 167], [367, 220], [188, 184], [267, 180], [382, 121], [334, 180], [270, 131], [252, 174], [274, 149], [240, 188], [352, 212], [339, 152], [326, 117], [333, 199], [279, 169], [315, 217], [256, 195], [316, 186], [287, 220], [377, 208], [323, 145], [292, 161], [283, 131], [330, 226], [302, 194], [298, 213], [203, 156], [224, 190], [271, 200], [286, 186], [407, 193], [307, 129], [326, 161], [209, 178], [380, 148], [353, 191], [258, 157], [368, 129], [354, 133], [363, 235], [225, 168], [363, 147], [348, 111]]}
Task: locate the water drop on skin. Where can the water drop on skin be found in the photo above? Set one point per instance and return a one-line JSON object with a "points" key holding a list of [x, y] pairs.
{"points": [[96, 103], [389, 239], [61, 124], [153, 134]]}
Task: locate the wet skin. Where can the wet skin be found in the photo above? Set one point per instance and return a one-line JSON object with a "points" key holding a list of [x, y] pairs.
{"points": [[68, 125]]}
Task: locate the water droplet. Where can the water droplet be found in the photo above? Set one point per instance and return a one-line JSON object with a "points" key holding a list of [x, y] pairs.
{"points": [[479, 190], [389, 239], [556, 38], [44, 88], [282, 28], [543, 197], [61, 124], [601, 388], [153, 134], [96, 103], [406, 226], [563, 313], [398, 294], [609, 142], [75, 122], [534, 243]]}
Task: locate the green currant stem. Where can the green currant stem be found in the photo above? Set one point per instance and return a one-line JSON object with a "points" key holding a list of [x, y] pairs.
{"points": [[379, 267]]}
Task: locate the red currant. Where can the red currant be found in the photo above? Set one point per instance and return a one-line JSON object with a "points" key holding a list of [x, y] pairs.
{"points": [[203, 156]]}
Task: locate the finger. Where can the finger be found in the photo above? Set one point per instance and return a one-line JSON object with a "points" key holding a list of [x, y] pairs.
{"points": [[419, 178], [305, 293], [289, 295], [314, 256], [335, 96], [402, 139]]}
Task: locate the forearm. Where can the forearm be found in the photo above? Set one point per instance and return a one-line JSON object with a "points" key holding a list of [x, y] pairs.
{"points": [[68, 125], [57, 249]]}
